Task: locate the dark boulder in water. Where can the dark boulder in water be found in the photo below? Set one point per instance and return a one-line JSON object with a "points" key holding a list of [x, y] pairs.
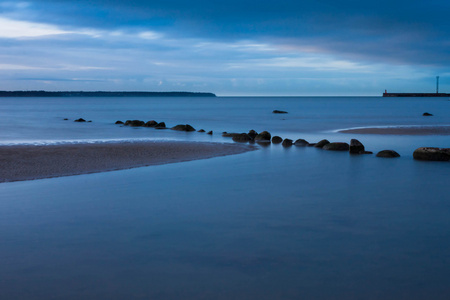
{"points": [[356, 147], [252, 134], [287, 143], [336, 146], [182, 127], [277, 139], [80, 120], [432, 154], [301, 143], [118, 122], [321, 143], [201, 130], [425, 114], [276, 111], [151, 123], [210, 132], [135, 123], [388, 154], [263, 136], [161, 125], [242, 137]]}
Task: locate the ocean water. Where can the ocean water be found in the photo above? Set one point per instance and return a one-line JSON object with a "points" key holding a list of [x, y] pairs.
{"points": [[277, 223]]}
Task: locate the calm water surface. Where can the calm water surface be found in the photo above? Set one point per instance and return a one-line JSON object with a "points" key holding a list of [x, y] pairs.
{"points": [[296, 223]]}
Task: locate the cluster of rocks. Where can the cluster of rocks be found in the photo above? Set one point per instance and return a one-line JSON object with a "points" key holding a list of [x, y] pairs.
{"points": [[355, 146], [139, 123], [265, 138], [159, 125]]}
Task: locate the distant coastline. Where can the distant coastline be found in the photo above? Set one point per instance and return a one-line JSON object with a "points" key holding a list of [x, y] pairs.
{"points": [[416, 95], [101, 94]]}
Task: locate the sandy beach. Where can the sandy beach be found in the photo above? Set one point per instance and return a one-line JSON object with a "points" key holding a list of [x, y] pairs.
{"points": [[28, 162], [401, 130]]}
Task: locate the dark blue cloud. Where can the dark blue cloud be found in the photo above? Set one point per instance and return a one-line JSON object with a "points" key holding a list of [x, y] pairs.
{"points": [[394, 31]]}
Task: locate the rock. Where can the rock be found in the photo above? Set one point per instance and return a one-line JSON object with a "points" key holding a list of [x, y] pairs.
{"points": [[287, 143], [263, 136], [80, 120], [201, 130], [337, 146], [321, 143], [65, 119], [301, 143], [90, 121], [242, 137], [356, 147], [432, 154], [182, 127], [161, 125], [118, 122], [135, 123], [388, 154], [252, 134], [425, 114], [279, 112], [151, 123], [209, 132], [277, 140]]}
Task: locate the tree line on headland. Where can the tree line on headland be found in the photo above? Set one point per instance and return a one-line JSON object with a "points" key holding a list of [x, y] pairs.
{"points": [[101, 94]]}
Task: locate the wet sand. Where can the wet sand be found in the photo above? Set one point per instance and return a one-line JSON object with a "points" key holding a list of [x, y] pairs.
{"points": [[402, 130], [27, 162]]}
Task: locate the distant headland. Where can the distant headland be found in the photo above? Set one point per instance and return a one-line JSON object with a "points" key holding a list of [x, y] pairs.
{"points": [[101, 94]]}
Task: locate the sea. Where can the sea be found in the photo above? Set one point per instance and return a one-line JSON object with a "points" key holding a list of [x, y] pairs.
{"points": [[275, 223]]}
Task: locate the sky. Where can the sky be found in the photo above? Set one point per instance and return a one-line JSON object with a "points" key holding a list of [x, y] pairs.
{"points": [[231, 48]]}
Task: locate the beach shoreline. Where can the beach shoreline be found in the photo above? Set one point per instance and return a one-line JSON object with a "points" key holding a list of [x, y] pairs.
{"points": [[30, 162], [400, 130]]}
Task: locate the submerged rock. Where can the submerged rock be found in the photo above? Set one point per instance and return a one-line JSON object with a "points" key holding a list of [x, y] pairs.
{"points": [[263, 136], [356, 147], [337, 146], [161, 125], [321, 143], [277, 140], [301, 143], [135, 123], [80, 120], [432, 154], [425, 114], [242, 137], [276, 111], [151, 123], [201, 130], [287, 143], [182, 127], [210, 132], [252, 134], [118, 122], [388, 154]]}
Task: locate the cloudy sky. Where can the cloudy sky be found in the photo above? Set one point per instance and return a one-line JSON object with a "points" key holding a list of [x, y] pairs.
{"points": [[234, 47]]}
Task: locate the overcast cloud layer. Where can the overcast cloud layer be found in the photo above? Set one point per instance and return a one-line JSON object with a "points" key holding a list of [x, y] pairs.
{"points": [[231, 48]]}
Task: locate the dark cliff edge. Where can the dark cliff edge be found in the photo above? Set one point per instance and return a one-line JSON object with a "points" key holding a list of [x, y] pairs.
{"points": [[101, 94]]}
